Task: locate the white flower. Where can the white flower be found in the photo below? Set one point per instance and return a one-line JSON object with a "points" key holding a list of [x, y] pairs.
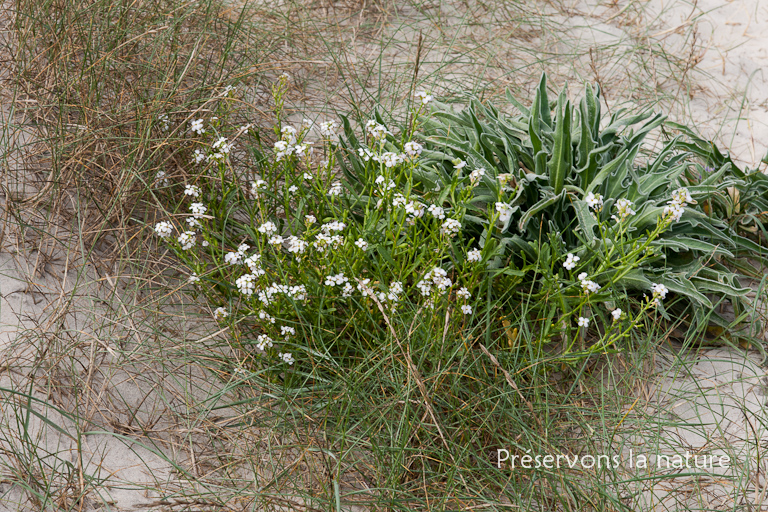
{"points": [[616, 313], [466, 309], [293, 189], [163, 229], [221, 145], [328, 128], [246, 284], [194, 278], [303, 149], [199, 156], [362, 286], [339, 279], [463, 293], [263, 315], [583, 322], [335, 225], [459, 164], [474, 255], [161, 179], [268, 228], [505, 212], [450, 227], [587, 285], [361, 244], [396, 287], [365, 153], [310, 219], [437, 211], [413, 149], [307, 176], [233, 258], [624, 210], [682, 197], [347, 290], [192, 190], [570, 262], [376, 130], [659, 293], [674, 212], [289, 134], [197, 126], [335, 189], [276, 240], [381, 179], [220, 314], [204, 243], [298, 292], [296, 245], [423, 97], [476, 175], [198, 210], [594, 201], [287, 331], [390, 159], [258, 185], [194, 223], [287, 358], [263, 342], [187, 240], [228, 89]]}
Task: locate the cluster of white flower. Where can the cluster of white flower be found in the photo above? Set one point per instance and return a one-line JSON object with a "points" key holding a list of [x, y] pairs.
{"points": [[389, 159], [660, 292], [246, 284], [437, 211], [381, 180], [192, 190], [323, 241], [365, 153], [275, 240], [423, 97], [337, 280], [221, 149], [376, 130], [282, 149], [393, 295], [296, 245], [676, 206], [263, 342], [288, 134], [187, 240], [298, 292], [570, 262], [220, 313], [198, 210], [310, 219], [362, 286], [268, 228], [623, 209], [328, 128], [588, 285], [303, 150], [616, 313], [163, 229], [361, 244], [198, 156], [476, 175], [194, 278], [287, 358], [263, 315], [463, 293], [594, 201], [474, 255], [254, 264], [335, 189], [160, 179], [197, 126], [233, 258], [257, 186], [436, 277], [450, 228], [287, 332], [413, 149], [505, 212]]}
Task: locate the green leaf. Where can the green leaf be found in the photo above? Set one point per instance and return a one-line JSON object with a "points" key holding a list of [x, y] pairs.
{"points": [[561, 162]]}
